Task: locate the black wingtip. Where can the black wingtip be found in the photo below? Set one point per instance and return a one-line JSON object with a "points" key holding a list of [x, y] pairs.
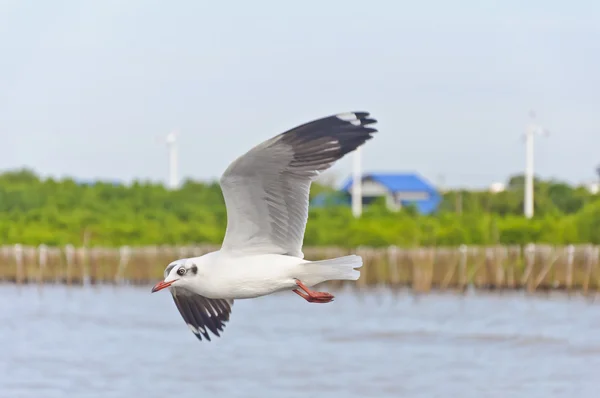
{"points": [[313, 141], [203, 316]]}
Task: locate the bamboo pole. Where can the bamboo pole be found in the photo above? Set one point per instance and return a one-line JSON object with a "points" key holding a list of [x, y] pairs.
{"points": [[547, 267], [589, 264], [392, 260], [19, 263], [530, 262], [574, 267], [42, 263]]}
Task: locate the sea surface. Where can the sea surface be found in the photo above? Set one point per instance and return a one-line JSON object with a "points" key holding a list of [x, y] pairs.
{"points": [[125, 342]]}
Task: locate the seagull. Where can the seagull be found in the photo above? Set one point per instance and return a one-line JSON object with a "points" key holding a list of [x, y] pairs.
{"points": [[266, 194]]}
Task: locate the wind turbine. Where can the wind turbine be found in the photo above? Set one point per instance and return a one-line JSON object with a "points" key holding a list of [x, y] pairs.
{"points": [[173, 160], [531, 130]]}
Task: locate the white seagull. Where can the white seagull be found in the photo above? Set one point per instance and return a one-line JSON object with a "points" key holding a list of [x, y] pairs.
{"points": [[266, 193]]}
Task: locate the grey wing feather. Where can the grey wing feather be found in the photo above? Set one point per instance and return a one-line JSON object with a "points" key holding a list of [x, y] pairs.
{"points": [[201, 314], [266, 190]]}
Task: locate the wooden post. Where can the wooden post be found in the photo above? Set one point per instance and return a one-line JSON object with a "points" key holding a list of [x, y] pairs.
{"points": [[490, 268], [392, 260], [501, 257], [454, 264], [530, 259], [514, 255], [18, 252], [589, 263], [417, 258], [42, 262], [479, 261], [147, 275], [93, 265], [431, 254], [69, 259], [83, 264], [547, 267], [462, 270], [569, 271], [124, 255]]}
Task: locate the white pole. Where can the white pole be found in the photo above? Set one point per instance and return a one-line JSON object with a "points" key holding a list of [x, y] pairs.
{"points": [[528, 206], [532, 129], [357, 184], [173, 161]]}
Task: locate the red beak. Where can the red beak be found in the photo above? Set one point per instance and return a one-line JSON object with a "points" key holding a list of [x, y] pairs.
{"points": [[161, 286]]}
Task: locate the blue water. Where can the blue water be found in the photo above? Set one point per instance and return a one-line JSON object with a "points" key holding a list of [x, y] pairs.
{"points": [[123, 342]]}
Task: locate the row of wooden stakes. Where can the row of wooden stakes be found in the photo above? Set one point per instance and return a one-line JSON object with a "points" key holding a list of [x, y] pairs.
{"points": [[531, 267]]}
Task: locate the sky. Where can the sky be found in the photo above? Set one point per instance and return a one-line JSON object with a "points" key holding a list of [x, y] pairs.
{"points": [[90, 89]]}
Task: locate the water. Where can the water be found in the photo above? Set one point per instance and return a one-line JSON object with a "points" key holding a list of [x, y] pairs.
{"points": [[125, 342]]}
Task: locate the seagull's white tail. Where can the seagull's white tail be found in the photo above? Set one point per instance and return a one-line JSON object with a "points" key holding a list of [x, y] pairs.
{"points": [[340, 268]]}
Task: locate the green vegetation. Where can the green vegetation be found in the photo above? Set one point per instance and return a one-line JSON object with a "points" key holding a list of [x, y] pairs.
{"points": [[34, 211]]}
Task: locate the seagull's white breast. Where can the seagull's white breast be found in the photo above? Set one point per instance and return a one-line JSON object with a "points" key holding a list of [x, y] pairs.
{"points": [[239, 277]]}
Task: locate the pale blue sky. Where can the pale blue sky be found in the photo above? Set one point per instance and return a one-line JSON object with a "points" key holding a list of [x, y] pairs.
{"points": [[86, 87]]}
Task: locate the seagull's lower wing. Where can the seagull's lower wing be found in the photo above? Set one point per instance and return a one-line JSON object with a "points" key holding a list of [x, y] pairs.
{"points": [[266, 190], [202, 314]]}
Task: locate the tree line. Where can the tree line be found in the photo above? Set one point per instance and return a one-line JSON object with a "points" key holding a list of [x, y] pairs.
{"points": [[35, 210]]}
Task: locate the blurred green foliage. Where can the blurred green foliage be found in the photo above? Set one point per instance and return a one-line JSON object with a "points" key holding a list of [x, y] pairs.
{"points": [[35, 211]]}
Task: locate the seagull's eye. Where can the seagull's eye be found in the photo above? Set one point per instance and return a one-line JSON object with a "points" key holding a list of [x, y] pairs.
{"points": [[181, 271]]}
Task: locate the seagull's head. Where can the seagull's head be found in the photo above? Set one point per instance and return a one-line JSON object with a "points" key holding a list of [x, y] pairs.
{"points": [[178, 273]]}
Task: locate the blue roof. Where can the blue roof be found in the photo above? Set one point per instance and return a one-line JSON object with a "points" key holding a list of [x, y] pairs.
{"points": [[404, 182], [396, 182]]}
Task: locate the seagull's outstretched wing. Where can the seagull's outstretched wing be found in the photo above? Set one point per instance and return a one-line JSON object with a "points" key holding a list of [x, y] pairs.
{"points": [[266, 190], [200, 313]]}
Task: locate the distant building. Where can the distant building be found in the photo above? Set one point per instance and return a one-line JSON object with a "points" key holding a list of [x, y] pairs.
{"points": [[497, 187], [398, 189]]}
